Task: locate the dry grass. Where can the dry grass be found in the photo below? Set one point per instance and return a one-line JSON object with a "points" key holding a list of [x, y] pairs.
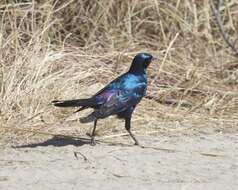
{"points": [[58, 49]]}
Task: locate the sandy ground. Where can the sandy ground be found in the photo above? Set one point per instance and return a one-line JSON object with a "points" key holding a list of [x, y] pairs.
{"points": [[184, 162]]}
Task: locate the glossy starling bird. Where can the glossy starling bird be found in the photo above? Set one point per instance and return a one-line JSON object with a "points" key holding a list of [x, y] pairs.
{"points": [[119, 97]]}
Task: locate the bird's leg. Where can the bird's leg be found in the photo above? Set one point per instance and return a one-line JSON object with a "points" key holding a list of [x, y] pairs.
{"points": [[128, 128], [93, 143]]}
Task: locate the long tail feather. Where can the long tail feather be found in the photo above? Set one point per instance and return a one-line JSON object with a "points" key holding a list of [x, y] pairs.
{"points": [[75, 103]]}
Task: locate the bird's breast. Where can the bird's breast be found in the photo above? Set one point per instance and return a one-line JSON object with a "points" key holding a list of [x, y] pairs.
{"points": [[132, 81]]}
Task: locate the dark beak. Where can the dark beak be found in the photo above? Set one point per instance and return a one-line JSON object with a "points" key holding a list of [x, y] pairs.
{"points": [[155, 59]]}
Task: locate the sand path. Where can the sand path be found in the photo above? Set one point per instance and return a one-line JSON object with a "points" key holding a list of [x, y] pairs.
{"points": [[188, 163]]}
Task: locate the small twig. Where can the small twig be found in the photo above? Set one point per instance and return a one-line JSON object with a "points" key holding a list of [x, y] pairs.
{"points": [[194, 91], [112, 136], [165, 56], [84, 157], [167, 52], [34, 116], [217, 15], [209, 154], [11, 161], [121, 160], [170, 102], [162, 149], [118, 176]]}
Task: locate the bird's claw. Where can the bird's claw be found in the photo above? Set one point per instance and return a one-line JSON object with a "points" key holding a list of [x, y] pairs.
{"points": [[136, 141], [93, 142], [138, 144]]}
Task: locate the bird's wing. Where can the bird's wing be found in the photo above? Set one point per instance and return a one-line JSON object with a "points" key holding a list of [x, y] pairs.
{"points": [[105, 93], [118, 101], [121, 93], [112, 85]]}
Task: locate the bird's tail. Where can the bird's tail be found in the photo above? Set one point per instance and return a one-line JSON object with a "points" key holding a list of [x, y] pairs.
{"points": [[75, 103]]}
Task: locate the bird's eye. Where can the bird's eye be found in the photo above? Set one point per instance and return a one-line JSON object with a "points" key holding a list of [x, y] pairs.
{"points": [[149, 59]]}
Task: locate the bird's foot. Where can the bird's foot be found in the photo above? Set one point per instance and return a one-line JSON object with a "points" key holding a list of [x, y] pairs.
{"points": [[138, 144], [93, 143], [136, 141]]}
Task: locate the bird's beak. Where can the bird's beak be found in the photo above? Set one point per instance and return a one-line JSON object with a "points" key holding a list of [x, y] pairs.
{"points": [[155, 58]]}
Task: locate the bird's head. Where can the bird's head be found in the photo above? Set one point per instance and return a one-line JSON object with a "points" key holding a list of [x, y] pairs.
{"points": [[140, 62]]}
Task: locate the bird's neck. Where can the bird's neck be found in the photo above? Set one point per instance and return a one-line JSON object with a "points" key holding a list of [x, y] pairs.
{"points": [[137, 69]]}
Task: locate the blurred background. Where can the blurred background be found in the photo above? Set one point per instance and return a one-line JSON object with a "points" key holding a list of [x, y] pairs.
{"points": [[58, 49]]}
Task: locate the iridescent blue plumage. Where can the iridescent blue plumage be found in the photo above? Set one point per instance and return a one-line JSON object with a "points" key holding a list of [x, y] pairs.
{"points": [[119, 97], [128, 90]]}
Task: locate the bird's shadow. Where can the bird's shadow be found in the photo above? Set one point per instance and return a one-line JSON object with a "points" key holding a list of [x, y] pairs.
{"points": [[57, 141]]}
